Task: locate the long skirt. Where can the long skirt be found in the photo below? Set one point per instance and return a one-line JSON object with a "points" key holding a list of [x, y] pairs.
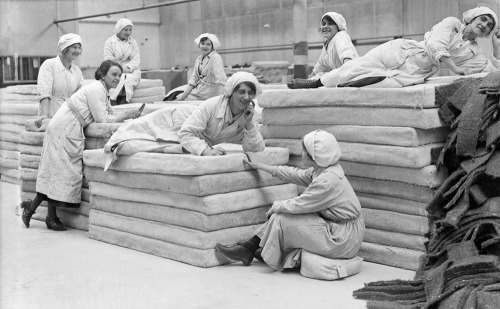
{"points": [[403, 62], [285, 235], [60, 173]]}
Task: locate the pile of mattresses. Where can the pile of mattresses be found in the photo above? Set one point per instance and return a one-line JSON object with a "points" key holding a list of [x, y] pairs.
{"points": [[148, 91], [178, 206], [389, 140], [30, 146], [17, 104], [273, 71]]}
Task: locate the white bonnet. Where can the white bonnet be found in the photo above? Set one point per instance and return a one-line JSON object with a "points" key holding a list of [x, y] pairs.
{"points": [[323, 147], [338, 19], [238, 78], [122, 23], [68, 40], [211, 37]]}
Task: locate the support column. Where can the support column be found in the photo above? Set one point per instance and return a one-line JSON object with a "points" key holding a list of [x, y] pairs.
{"points": [[300, 54]]}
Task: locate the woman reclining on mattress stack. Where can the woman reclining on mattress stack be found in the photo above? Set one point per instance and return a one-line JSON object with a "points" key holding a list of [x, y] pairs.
{"points": [[228, 118], [400, 63]]}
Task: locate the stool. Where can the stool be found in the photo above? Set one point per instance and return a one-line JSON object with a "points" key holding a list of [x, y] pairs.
{"points": [[318, 267]]}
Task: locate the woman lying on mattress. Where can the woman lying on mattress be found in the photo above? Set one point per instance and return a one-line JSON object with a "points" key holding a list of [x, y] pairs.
{"points": [[402, 62], [228, 118], [325, 219]]}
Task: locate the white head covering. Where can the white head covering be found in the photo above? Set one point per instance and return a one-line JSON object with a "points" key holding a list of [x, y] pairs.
{"points": [[239, 77], [323, 147], [68, 40], [122, 23], [211, 37], [338, 19], [478, 11]]}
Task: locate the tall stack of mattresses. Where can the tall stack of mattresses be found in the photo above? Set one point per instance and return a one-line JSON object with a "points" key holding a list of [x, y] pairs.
{"points": [[17, 104], [389, 139], [178, 206], [149, 91]]}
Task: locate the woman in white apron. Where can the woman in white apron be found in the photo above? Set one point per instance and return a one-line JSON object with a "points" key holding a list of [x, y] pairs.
{"points": [[124, 50], [402, 62], [59, 178], [208, 77], [59, 77], [337, 45], [228, 118]]}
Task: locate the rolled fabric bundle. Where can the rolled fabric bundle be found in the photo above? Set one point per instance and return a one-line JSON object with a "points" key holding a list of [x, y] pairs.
{"points": [[394, 239], [11, 127], [10, 137], [392, 256], [15, 119], [9, 154], [19, 109], [29, 161], [395, 222], [30, 149], [32, 138]]}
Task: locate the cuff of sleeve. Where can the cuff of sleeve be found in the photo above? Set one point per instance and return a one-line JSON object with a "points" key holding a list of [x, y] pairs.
{"points": [[495, 61], [43, 96]]}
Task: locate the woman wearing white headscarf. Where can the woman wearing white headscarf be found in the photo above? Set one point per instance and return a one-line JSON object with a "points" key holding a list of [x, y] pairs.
{"points": [[325, 219], [59, 77], [228, 118], [337, 45], [208, 77], [402, 62], [123, 49]]}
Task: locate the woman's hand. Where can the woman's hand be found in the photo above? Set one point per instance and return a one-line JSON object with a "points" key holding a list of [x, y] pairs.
{"points": [[249, 112], [270, 212], [463, 71], [133, 114], [257, 165], [217, 151], [495, 40], [39, 119]]}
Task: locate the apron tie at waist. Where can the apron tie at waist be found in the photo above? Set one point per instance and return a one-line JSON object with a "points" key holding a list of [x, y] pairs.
{"points": [[76, 113]]}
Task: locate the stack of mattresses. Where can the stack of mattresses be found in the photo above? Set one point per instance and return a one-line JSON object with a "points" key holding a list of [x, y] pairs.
{"points": [[17, 104], [389, 139], [178, 206], [273, 71], [148, 91]]}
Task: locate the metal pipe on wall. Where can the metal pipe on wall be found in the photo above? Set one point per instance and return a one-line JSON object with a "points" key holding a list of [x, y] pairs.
{"points": [[300, 47], [144, 7]]}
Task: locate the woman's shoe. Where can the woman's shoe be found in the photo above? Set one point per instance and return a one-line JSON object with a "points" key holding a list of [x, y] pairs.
{"points": [[27, 212], [236, 253], [299, 83], [54, 224], [258, 255]]}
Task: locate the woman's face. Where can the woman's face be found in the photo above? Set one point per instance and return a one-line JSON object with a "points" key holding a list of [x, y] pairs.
{"points": [[242, 97], [481, 26], [72, 52], [112, 79], [306, 159], [206, 47], [125, 33], [328, 29]]}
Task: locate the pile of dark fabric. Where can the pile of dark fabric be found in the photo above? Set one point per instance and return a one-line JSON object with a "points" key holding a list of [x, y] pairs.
{"points": [[461, 267]]}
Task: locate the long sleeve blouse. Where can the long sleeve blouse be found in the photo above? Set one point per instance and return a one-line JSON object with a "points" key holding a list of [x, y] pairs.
{"points": [[212, 123], [92, 102], [125, 52], [328, 193], [446, 39], [335, 52]]}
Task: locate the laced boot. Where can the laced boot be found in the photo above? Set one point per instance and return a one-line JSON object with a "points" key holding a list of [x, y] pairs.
{"points": [[54, 224], [236, 253], [27, 212], [299, 83]]}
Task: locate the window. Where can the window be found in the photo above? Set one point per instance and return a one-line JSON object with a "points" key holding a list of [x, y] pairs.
{"points": [[20, 70]]}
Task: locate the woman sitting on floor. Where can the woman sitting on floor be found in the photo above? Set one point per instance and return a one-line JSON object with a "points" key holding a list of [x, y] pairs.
{"points": [[325, 219], [337, 45], [228, 118], [402, 62]]}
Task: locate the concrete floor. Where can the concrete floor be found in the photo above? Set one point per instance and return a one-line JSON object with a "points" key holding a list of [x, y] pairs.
{"points": [[40, 268]]}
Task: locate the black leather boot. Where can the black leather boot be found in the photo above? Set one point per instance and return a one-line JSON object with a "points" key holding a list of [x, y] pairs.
{"points": [[236, 253], [27, 212], [299, 83], [258, 255], [54, 224]]}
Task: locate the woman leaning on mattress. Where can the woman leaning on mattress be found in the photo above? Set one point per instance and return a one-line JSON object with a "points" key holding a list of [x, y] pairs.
{"points": [[402, 62], [228, 118], [60, 175]]}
